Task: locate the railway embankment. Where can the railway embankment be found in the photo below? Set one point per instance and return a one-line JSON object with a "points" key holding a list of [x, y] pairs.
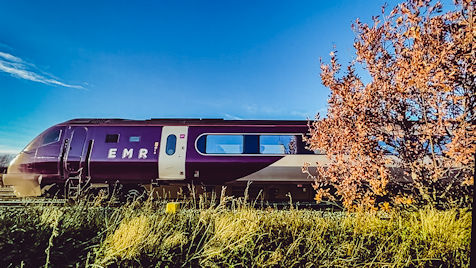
{"points": [[212, 234]]}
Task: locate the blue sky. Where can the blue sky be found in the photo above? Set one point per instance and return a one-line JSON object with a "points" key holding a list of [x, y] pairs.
{"points": [[61, 60]]}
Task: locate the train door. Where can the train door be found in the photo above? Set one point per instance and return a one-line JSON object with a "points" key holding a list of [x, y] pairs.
{"points": [[173, 147], [75, 151]]}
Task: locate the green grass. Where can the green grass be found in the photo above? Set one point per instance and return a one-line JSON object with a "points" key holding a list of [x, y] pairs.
{"points": [[215, 235]]}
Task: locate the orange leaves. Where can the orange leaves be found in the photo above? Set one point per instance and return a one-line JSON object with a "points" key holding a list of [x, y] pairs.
{"points": [[321, 193], [419, 104], [399, 20]]}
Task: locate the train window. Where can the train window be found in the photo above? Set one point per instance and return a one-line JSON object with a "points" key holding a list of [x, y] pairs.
{"points": [[278, 144], [224, 144], [202, 143], [51, 136], [303, 147], [134, 139], [171, 144], [112, 138], [251, 144]]}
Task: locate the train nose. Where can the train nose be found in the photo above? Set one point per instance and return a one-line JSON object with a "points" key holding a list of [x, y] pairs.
{"points": [[24, 184], [14, 166]]}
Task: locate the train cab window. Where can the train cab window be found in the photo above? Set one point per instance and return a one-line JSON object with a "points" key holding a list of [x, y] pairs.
{"points": [[51, 136], [134, 139], [112, 138], [224, 144], [278, 144], [171, 144]]}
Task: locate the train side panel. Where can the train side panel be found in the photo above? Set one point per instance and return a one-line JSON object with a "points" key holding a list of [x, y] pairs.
{"points": [[213, 169], [128, 154]]}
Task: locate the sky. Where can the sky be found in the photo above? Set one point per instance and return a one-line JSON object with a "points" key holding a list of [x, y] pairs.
{"points": [[61, 60]]}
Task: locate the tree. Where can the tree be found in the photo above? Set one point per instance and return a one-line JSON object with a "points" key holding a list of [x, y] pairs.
{"points": [[4, 161], [419, 105]]}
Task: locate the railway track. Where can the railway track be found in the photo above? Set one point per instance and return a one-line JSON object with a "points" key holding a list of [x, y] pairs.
{"points": [[8, 199], [6, 193], [18, 202]]}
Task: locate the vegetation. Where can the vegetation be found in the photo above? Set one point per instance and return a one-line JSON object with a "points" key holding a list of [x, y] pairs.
{"points": [[4, 161], [419, 105], [230, 232]]}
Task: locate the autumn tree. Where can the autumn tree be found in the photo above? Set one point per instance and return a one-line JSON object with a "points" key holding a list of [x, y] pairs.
{"points": [[416, 114]]}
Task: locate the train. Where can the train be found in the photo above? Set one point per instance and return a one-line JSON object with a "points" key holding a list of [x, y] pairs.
{"points": [[90, 153]]}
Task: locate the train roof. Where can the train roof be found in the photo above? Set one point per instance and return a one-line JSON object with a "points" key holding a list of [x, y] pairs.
{"points": [[183, 121]]}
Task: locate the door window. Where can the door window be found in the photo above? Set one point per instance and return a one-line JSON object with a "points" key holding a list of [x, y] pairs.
{"points": [[171, 144]]}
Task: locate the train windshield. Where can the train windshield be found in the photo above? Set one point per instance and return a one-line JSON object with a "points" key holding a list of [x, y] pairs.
{"points": [[50, 136]]}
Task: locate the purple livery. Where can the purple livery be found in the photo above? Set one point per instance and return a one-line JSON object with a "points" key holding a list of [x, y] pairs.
{"points": [[160, 152]]}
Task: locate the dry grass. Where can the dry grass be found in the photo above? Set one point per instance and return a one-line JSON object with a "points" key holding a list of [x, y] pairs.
{"points": [[208, 233]]}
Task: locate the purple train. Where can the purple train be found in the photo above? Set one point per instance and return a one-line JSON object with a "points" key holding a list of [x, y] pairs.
{"points": [[104, 152]]}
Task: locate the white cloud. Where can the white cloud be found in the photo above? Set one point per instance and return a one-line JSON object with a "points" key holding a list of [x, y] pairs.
{"points": [[10, 57], [284, 112], [17, 67], [232, 117]]}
